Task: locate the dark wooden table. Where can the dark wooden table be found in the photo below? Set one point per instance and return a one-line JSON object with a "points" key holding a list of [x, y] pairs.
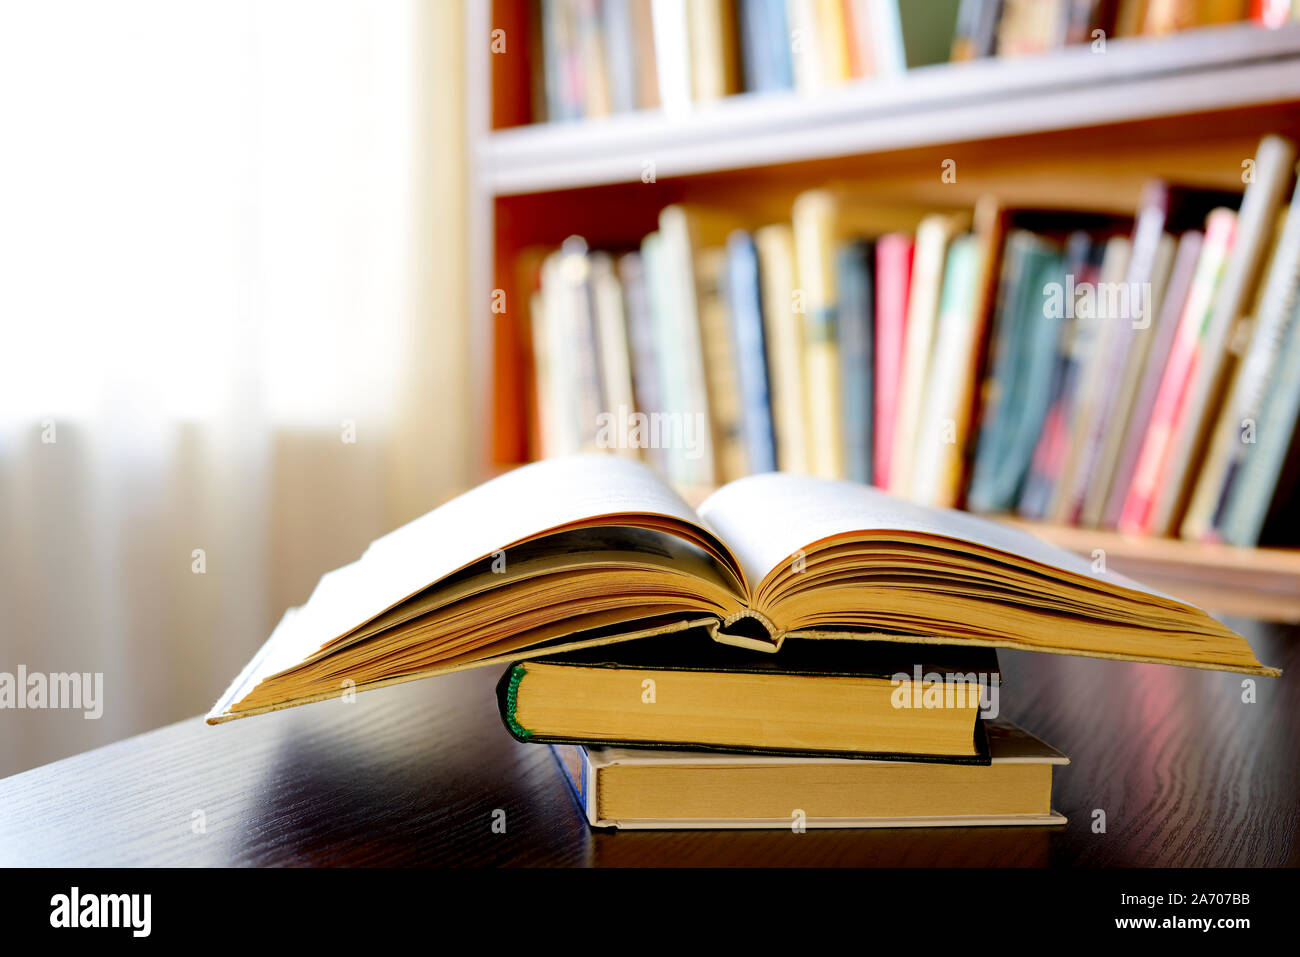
{"points": [[1186, 773]]}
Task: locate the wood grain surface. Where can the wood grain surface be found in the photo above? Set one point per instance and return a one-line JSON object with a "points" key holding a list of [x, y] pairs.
{"points": [[1186, 773]]}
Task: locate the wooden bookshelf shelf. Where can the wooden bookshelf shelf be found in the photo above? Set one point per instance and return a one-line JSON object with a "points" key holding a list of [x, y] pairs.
{"points": [[1200, 71]]}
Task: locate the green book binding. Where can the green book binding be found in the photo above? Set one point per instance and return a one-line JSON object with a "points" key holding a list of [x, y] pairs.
{"points": [[742, 694]]}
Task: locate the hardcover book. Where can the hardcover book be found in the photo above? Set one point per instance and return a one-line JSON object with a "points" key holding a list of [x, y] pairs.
{"points": [[596, 548], [687, 691], [649, 789]]}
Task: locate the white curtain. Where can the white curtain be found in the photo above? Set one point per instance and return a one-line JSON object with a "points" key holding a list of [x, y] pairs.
{"points": [[231, 350]]}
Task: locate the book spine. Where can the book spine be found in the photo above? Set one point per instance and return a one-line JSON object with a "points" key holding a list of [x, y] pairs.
{"points": [[1048, 449], [834, 42], [755, 49], [580, 776], [887, 30], [1025, 363], [612, 340], [596, 95], [778, 43], [1128, 331], [862, 40], [784, 334], [722, 372], [1257, 485], [932, 238], [672, 54], [893, 279], [1137, 515], [814, 214], [1250, 382], [711, 38], [1130, 375], [1097, 329], [647, 72], [939, 429], [805, 45], [620, 54], [855, 320], [745, 306], [1273, 170], [1153, 369], [764, 45]]}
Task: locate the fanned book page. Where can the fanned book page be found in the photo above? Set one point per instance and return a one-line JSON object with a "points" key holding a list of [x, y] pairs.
{"points": [[593, 549]]}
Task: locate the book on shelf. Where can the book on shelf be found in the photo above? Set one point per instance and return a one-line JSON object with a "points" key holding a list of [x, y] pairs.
{"points": [[1235, 430], [1094, 328], [783, 332], [1160, 341], [745, 320], [1022, 363], [855, 322], [1273, 172], [925, 293], [1140, 504], [893, 277], [885, 700], [597, 57], [1080, 368], [1262, 490], [658, 788], [598, 549]]}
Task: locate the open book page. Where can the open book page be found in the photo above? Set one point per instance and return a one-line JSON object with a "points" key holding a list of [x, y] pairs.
{"points": [[510, 509], [767, 519]]}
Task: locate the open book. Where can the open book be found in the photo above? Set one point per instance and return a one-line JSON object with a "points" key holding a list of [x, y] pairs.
{"points": [[592, 549]]}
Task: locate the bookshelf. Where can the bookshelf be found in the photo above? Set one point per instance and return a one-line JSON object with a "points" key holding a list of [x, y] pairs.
{"points": [[1071, 129]]}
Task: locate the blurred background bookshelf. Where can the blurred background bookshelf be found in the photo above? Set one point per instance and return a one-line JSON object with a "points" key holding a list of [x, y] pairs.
{"points": [[1048, 125]]}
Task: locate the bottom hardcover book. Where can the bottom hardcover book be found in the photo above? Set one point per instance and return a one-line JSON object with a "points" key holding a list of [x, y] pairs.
{"points": [[650, 788]]}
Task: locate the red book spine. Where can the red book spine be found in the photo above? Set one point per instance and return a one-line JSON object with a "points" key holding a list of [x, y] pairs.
{"points": [[1169, 407], [893, 280]]}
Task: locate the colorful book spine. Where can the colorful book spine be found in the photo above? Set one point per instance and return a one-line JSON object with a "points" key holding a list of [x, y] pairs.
{"points": [[641, 342], [713, 49], [856, 323], [1139, 505], [672, 54], [1094, 328], [932, 238], [744, 300], [893, 279], [1126, 334], [940, 432], [764, 45], [1081, 262], [1238, 423], [782, 326], [814, 218], [619, 54], [1268, 470], [1274, 167], [1163, 333], [1021, 361]]}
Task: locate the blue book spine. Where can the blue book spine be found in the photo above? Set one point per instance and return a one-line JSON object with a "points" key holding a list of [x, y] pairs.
{"points": [[764, 45], [746, 308], [856, 321], [620, 55], [778, 37]]}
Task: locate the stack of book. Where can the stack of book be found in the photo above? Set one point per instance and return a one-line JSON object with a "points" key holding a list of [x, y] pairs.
{"points": [[592, 58], [1136, 372], [798, 652], [685, 732]]}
